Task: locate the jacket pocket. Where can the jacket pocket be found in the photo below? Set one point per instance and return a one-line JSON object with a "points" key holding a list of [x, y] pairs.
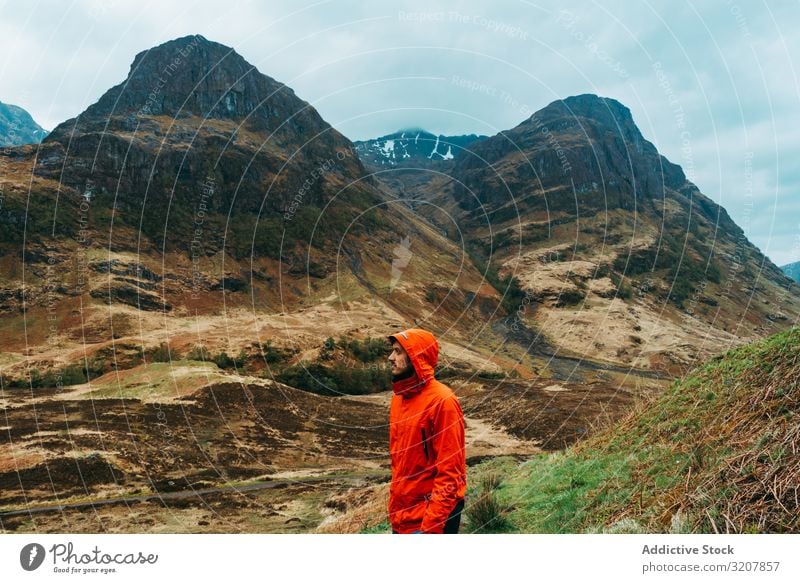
{"points": [[425, 445]]}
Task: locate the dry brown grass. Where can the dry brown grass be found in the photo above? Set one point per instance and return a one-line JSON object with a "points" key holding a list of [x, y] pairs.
{"points": [[356, 510]]}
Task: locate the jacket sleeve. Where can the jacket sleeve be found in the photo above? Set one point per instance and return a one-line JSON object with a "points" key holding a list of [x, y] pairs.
{"points": [[448, 444]]}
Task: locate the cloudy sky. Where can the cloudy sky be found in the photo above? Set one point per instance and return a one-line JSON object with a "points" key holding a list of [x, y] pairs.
{"points": [[713, 84]]}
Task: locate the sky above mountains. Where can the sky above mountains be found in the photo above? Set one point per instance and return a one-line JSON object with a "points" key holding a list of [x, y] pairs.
{"points": [[713, 85]]}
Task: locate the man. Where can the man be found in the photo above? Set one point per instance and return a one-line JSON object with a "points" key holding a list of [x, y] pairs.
{"points": [[426, 441]]}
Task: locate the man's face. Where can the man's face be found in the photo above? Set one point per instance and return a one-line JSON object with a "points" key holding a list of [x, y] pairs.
{"points": [[398, 358]]}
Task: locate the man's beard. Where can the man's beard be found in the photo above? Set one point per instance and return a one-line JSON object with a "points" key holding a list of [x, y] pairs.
{"points": [[408, 372]]}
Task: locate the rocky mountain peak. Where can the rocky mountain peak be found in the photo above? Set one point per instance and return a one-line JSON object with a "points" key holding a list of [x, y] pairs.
{"points": [[192, 76], [585, 142], [589, 114], [193, 113], [604, 110]]}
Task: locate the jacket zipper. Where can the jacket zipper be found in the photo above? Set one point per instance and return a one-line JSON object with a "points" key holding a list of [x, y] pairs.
{"points": [[425, 444]]}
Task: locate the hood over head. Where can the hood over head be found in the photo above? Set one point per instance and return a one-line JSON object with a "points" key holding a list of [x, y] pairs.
{"points": [[423, 352]]}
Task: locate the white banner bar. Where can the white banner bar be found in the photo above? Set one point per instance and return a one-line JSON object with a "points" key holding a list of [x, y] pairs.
{"points": [[378, 558]]}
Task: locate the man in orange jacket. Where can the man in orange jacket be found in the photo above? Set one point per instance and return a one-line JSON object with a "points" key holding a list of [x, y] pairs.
{"points": [[426, 440]]}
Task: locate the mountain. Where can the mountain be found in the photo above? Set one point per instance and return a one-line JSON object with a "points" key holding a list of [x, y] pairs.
{"points": [[200, 186], [412, 147], [194, 116], [198, 155], [618, 256], [792, 270], [17, 127]]}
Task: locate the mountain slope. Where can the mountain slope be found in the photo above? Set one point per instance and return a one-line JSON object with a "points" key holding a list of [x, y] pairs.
{"points": [[193, 118], [717, 453], [199, 187], [620, 257], [17, 127]]}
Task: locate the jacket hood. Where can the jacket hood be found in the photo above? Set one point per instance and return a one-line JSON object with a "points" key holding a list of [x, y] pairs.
{"points": [[423, 352]]}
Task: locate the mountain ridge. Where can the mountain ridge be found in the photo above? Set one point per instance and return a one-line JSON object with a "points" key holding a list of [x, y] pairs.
{"points": [[413, 147], [17, 127], [219, 185]]}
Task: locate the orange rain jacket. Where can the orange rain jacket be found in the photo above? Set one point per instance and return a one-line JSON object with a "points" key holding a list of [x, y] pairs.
{"points": [[426, 442]]}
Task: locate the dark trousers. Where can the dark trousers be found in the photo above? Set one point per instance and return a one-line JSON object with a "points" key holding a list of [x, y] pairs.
{"points": [[453, 521]]}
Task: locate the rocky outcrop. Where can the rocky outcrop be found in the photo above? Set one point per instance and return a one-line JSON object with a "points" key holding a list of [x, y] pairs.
{"points": [[131, 294]]}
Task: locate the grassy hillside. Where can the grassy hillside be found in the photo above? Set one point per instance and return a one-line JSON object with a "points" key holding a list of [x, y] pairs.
{"points": [[719, 452]]}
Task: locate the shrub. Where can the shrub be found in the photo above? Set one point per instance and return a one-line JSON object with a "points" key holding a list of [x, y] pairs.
{"points": [[96, 366], [199, 352], [162, 353], [339, 379], [326, 352], [73, 374], [602, 270], [624, 291], [491, 375], [445, 372], [223, 360], [366, 350], [273, 354]]}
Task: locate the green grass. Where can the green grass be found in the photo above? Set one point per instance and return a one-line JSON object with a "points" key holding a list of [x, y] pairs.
{"points": [[155, 381], [382, 528], [558, 492]]}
